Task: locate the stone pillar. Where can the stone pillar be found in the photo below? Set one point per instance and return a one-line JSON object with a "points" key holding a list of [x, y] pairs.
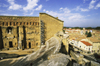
{"points": [[8, 23], [32, 23], [20, 37], [65, 42]]}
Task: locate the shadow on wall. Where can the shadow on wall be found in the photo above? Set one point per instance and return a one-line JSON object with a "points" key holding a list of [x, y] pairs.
{"points": [[1, 40], [24, 40], [63, 49]]}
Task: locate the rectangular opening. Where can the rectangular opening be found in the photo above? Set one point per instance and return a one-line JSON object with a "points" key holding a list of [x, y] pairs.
{"points": [[29, 44], [10, 44]]}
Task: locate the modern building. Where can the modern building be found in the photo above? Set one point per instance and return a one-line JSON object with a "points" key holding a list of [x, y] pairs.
{"points": [[23, 32], [85, 45]]}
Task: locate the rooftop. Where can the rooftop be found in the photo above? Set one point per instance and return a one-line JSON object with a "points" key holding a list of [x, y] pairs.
{"points": [[86, 43], [94, 39]]}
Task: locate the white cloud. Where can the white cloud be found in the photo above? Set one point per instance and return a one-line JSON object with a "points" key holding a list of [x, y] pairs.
{"points": [[66, 10], [91, 5], [97, 6], [61, 8], [39, 7], [14, 6], [76, 16], [44, 10], [67, 16], [31, 4], [78, 8], [84, 9], [31, 7]]}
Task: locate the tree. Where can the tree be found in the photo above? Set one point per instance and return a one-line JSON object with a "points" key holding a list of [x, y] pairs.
{"points": [[89, 34], [97, 28], [89, 28], [86, 33]]}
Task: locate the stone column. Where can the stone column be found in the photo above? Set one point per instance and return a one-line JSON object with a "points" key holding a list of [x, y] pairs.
{"points": [[65, 42]]}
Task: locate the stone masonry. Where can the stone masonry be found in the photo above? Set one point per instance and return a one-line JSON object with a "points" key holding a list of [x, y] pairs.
{"points": [[23, 32]]}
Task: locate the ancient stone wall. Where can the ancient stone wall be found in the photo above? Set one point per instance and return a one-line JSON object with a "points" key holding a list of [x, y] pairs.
{"points": [[52, 25], [32, 36], [18, 32]]}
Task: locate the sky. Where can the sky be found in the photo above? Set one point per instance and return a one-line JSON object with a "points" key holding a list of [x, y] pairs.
{"points": [[74, 13]]}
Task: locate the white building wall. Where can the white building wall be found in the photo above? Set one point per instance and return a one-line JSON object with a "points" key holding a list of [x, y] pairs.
{"points": [[83, 46]]}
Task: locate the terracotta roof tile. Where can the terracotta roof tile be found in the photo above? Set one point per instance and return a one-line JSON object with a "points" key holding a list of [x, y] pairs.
{"points": [[86, 43]]}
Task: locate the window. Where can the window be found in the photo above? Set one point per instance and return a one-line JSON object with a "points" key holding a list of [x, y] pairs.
{"points": [[3, 23], [7, 23], [89, 48], [20, 23], [29, 44], [24, 23], [33, 23], [9, 30], [10, 23], [10, 44], [17, 23], [14, 23]]}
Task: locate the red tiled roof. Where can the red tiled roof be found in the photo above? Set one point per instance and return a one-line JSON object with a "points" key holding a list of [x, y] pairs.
{"points": [[86, 43]]}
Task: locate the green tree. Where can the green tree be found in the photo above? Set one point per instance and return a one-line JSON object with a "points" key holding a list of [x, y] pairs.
{"points": [[89, 28], [89, 34], [86, 33], [97, 28]]}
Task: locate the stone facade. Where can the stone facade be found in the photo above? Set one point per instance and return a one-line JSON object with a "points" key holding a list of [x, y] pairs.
{"points": [[20, 32]]}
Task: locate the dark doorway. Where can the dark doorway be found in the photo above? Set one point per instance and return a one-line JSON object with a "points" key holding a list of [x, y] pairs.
{"points": [[10, 44], [29, 44], [63, 49]]}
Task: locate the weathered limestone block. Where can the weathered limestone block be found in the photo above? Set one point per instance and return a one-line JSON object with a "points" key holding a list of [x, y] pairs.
{"points": [[54, 60], [48, 52]]}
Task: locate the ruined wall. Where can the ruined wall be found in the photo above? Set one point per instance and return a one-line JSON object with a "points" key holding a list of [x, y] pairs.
{"points": [[25, 32], [32, 36], [52, 25], [9, 36], [18, 31]]}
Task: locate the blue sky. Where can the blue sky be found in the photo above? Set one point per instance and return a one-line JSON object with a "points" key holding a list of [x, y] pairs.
{"points": [[74, 13]]}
